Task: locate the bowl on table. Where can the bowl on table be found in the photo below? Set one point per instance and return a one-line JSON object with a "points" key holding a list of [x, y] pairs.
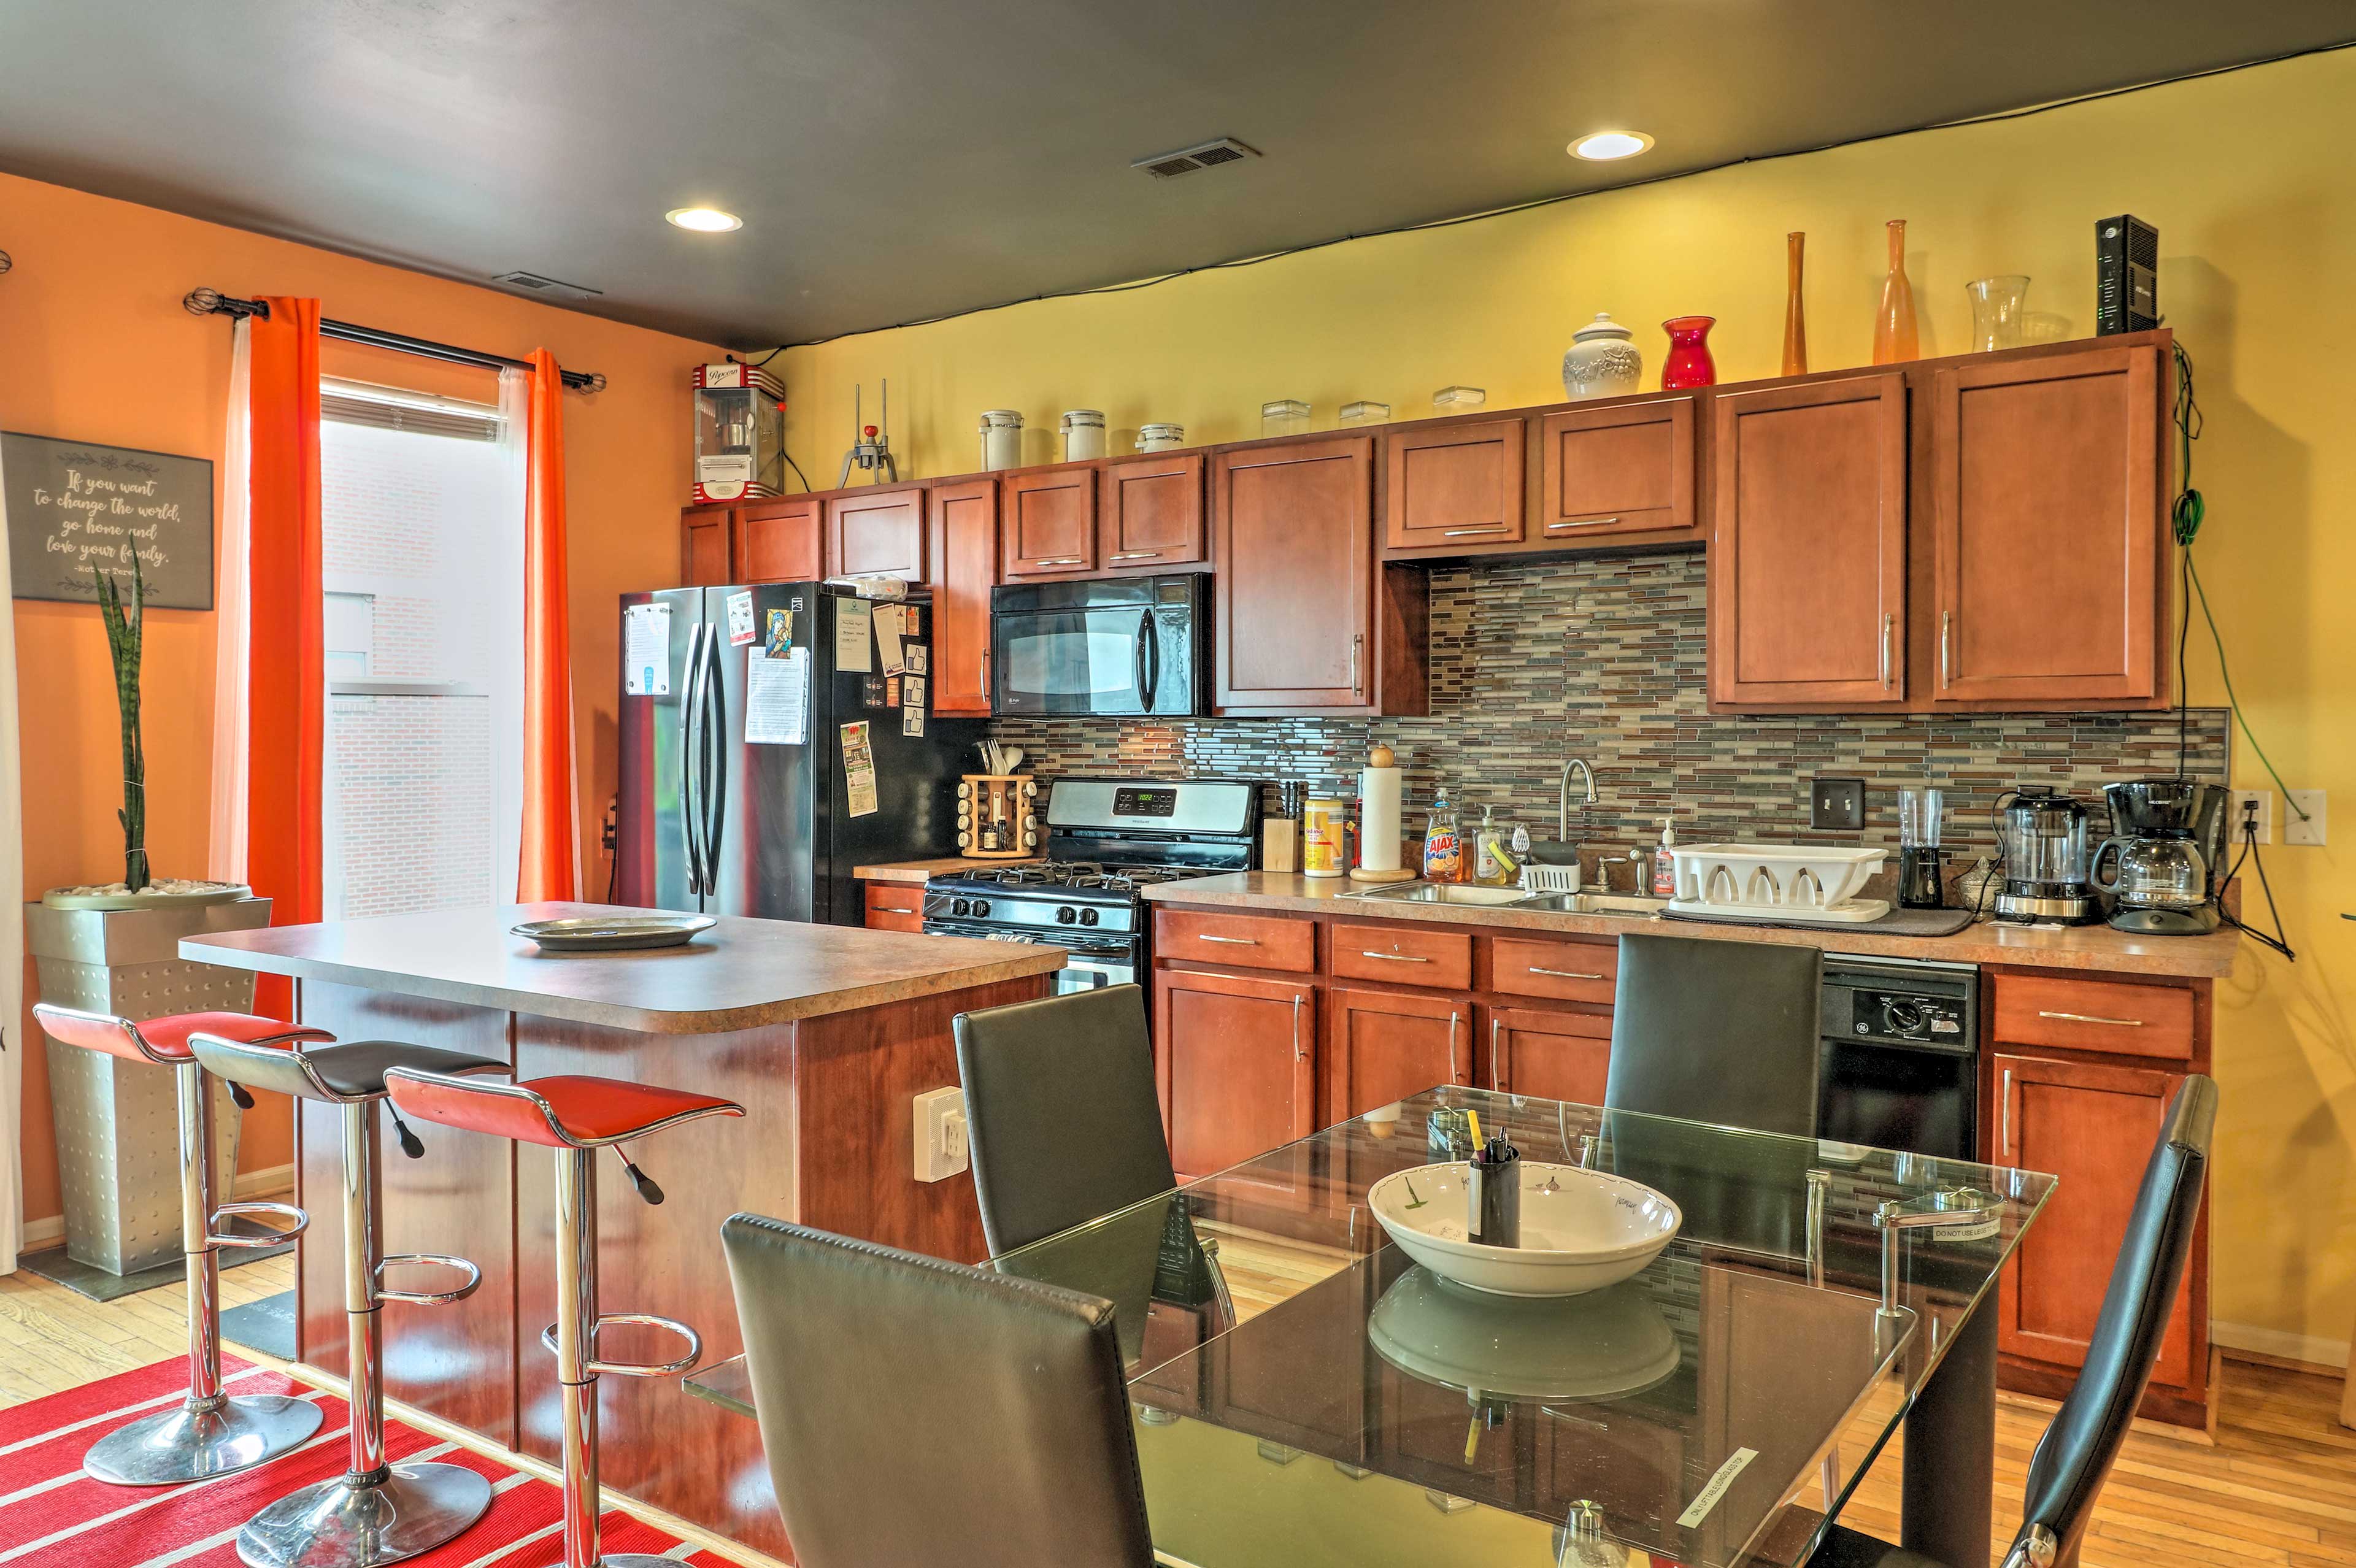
{"points": [[1581, 1230], [612, 932]]}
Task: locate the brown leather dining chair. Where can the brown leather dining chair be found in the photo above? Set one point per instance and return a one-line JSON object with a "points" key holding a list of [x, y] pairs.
{"points": [[1717, 1031], [922, 1412]]}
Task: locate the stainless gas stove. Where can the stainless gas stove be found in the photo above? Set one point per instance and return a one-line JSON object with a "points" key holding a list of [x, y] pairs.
{"points": [[1107, 839]]}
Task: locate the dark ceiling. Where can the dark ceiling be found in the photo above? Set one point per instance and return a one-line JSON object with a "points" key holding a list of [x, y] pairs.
{"points": [[900, 159]]}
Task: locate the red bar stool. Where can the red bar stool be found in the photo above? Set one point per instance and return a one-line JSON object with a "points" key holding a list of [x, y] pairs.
{"points": [[212, 1434], [377, 1512], [576, 1118]]}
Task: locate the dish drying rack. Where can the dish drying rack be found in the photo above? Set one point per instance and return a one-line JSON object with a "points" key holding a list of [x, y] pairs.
{"points": [[1778, 883]]}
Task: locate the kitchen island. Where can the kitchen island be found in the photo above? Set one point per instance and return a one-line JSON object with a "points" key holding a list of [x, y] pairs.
{"points": [[823, 1033]]}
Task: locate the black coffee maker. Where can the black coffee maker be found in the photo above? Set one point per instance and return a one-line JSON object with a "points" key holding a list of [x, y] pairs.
{"points": [[2166, 855]]}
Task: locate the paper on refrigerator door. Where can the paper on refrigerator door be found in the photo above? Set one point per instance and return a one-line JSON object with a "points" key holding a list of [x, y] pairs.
{"points": [[853, 618], [858, 771], [645, 650], [776, 698], [887, 638], [740, 619]]}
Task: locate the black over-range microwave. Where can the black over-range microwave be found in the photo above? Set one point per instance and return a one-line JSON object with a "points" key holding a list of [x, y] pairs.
{"points": [[1116, 646]]}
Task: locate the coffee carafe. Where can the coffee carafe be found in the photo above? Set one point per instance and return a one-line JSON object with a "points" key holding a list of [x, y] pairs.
{"points": [[2044, 834], [2166, 855]]}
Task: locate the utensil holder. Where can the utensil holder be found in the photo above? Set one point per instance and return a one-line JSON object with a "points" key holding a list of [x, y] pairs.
{"points": [[998, 817]]}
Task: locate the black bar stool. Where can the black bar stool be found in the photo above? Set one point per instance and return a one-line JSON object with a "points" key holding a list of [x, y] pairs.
{"points": [[376, 1512], [212, 1434], [576, 1118]]}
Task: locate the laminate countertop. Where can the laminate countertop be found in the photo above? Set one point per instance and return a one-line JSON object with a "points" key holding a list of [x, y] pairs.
{"points": [[2090, 948], [741, 973], [925, 870]]}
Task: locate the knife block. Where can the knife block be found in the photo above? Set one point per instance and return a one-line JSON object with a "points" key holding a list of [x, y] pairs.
{"points": [[998, 810]]}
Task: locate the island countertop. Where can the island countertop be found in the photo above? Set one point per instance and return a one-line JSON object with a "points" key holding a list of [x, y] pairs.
{"points": [[741, 973]]}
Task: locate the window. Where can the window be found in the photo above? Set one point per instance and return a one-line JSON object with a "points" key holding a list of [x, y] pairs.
{"points": [[422, 530]]}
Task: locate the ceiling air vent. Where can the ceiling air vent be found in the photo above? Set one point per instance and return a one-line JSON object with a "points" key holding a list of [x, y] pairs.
{"points": [[1210, 154], [537, 284]]}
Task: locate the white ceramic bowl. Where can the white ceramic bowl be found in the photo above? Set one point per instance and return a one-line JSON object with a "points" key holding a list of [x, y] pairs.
{"points": [[1581, 1230]]}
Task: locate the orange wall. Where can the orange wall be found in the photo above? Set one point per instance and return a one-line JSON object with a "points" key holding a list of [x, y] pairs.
{"points": [[94, 345]]}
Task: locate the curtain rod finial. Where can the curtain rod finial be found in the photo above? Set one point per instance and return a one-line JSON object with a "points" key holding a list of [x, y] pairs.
{"points": [[201, 301], [5, 262], [596, 382]]}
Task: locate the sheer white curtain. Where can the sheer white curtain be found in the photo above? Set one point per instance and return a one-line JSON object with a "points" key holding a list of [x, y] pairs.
{"points": [[507, 669], [225, 851], [12, 930]]}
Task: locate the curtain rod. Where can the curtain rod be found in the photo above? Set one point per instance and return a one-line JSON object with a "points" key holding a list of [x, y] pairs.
{"points": [[212, 302]]}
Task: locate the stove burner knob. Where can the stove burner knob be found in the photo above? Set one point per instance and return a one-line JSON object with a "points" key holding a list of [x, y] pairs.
{"points": [[958, 906], [1087, 917], [1066, 914], [982, 909]]}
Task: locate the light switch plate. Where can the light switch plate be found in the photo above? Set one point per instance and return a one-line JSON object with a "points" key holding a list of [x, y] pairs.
{"points": [[2264, 799], [1836, 805], [2308, 829]]}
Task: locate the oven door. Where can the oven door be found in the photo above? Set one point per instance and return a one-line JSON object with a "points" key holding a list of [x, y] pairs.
{"points": [[1103, 650], [1088, 966]]}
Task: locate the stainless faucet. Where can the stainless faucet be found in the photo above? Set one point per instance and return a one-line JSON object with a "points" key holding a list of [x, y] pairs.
{"points": [[1562, 820]]}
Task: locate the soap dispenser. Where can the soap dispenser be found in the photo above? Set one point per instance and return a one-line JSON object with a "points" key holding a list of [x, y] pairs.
{"points": [[1664, 863]]}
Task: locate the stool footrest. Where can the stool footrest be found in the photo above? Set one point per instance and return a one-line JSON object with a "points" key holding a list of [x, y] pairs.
{"points": [[296, 1223], [636, 1369], [427, 1297]]}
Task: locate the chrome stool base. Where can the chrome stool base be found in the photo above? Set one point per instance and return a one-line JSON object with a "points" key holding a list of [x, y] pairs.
{"points": [[192, 1444], [354, 1523]]}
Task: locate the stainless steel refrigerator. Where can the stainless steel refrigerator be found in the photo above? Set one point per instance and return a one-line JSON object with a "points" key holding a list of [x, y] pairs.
{"points": [[737, 796]]}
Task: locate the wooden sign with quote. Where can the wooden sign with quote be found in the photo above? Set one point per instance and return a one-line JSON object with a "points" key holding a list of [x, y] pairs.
{"points": [[73, 504]]}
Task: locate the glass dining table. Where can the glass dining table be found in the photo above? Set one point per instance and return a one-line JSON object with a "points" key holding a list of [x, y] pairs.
{"points": [[1304, 1393]]}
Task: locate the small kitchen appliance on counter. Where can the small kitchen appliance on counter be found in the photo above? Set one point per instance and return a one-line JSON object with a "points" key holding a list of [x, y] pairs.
{"points": [[1921, 882], [2169, 845], [2044, 834]]}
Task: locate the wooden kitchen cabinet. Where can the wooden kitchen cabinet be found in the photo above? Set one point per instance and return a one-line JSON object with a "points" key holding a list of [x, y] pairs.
{"points": [[780, 540], [705, 541], [2051, 539], [1454, 486], [1150, 513], [962, 519], [1049, 527], [1383, 1046], [1304, 620], [1234, 1058], [878, 532], [1553, 1055], [1621, 468], [2092, 1124], [895, 906], [1808, 561]]}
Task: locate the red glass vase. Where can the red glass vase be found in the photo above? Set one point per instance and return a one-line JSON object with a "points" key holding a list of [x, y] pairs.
{"points": [[1689, 364]]}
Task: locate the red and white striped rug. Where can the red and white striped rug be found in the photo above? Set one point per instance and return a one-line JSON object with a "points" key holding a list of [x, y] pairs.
{"points": [[51, 1513]]}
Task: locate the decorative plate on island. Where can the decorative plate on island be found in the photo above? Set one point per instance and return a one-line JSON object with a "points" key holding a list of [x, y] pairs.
{"points": [[612, 932]]}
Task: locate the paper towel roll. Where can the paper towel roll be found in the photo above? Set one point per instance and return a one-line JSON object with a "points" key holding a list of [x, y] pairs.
{"points": [[1378, 821]]}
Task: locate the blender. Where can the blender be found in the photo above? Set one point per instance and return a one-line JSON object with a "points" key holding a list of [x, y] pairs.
{"points": [[1921, 882], [2168, 854], [2042, 833]]}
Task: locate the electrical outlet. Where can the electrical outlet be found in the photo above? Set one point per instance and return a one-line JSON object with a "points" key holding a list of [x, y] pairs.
{"points": [[2306, 829], [1836, 805], [2244, 799], [939, 1134]]}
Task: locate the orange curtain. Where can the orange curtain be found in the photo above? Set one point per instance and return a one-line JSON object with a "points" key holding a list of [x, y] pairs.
{"points": [[286, 686], [549, 863]]}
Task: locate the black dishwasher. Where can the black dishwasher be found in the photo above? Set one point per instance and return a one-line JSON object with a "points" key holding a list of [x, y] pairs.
{"points": [[1900, 1064]]}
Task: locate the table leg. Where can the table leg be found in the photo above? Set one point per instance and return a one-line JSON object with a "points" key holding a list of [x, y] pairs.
{"points": [[1950, 1485]]}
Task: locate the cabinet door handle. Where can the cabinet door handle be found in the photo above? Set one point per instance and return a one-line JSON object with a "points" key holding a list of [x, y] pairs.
{"points": [[1564, 974], [2005, 1130], [1459, 533], [1454, 1076], [1496, 1078], [2091, 1019], [1946, 648], [985, 670], [1889, 626], [881, 910], [1062, 560], [1230, 941], [1139, 555], [1392, 957], [1300, 1053], [1357, 642], [1581, 522]]}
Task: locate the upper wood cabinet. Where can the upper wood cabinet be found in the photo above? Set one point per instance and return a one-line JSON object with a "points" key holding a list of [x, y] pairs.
{"points": [[1454, 487], [962, 519], [1150, 513], [1049, 522], [2046, 485], [878, 531], [1622, 468], [1304, 620], [780, 540], [1807, 564], [704, 538]]}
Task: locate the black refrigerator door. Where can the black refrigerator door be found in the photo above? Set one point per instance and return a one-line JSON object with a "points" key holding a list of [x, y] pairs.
{"points": [[656, 863], [760, 812]]}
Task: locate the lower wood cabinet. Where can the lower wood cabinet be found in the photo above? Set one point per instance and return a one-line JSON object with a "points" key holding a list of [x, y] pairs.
{"points": [[895, 906], [1235, 1060], [1383, 1046], [1553, 1055]]}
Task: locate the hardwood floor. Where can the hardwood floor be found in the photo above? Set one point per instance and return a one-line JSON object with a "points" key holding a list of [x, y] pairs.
{"points": [[2277, 1485]]}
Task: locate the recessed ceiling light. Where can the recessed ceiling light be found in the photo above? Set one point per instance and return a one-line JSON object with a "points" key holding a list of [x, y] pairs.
{"points": [[1606, 145], [711, 220]]}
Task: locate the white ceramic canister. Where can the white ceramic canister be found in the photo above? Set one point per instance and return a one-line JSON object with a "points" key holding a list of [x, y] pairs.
{"points": [[1084, 434], [1001, 439], [1603, 361], [1161, 437]]}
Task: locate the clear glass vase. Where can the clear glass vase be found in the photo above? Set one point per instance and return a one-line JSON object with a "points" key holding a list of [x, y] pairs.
{"points": [[1997, 308]]}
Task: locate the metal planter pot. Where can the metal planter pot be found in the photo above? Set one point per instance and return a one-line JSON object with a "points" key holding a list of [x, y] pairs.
{"points": [[117, 1126]]}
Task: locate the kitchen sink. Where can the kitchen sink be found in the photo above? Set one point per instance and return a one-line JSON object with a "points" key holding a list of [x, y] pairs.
{"points": [[1593, 903], [1440, 893]]}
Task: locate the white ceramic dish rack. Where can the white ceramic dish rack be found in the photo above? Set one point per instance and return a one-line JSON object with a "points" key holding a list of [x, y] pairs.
{"points": [[1776, 882]]}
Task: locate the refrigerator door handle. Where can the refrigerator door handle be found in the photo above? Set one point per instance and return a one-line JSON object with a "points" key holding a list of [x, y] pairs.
{"points": [[715, 744], [691, 755]]}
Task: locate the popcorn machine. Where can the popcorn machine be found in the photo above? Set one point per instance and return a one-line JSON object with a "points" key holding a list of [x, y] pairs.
{"points": [[740, 433]]}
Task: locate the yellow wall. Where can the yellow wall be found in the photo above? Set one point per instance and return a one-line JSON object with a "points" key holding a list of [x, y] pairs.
{"points": [[2246, 176]]}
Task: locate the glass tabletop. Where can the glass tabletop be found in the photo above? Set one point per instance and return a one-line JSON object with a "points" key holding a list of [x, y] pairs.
{"points": [[1304, 1391]]}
